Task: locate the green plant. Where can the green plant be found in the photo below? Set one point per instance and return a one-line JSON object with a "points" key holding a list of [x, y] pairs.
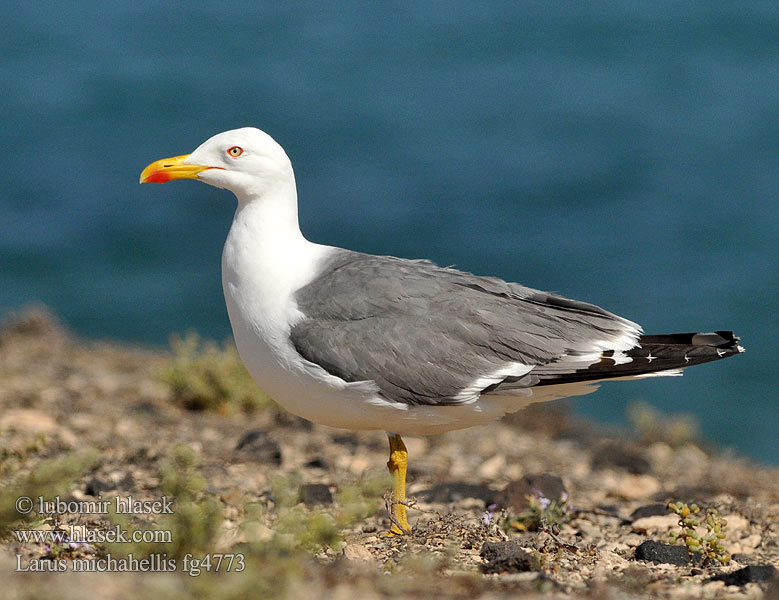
{"points": [[710, 545], [50, 477], [195, 520], [539, 509], [203, 376], [299, 527], [653, 426], [358, 500]]}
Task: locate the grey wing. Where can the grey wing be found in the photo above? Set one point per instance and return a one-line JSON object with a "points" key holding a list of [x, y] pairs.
{"points": [[430, 335]]}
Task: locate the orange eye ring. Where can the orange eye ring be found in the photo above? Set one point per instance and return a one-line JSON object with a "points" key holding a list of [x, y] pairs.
{"points": [[235, 151]]}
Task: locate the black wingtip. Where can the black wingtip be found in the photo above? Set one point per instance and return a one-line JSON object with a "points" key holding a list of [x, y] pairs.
{"points": [[658, 353], [724, 340]]}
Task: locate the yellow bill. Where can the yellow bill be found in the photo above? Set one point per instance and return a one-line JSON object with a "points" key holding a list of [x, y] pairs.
{"points": [[168, 169]]}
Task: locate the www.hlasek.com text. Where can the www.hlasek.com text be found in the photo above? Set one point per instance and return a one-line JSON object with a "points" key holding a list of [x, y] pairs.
{"points": [[78, 534]]}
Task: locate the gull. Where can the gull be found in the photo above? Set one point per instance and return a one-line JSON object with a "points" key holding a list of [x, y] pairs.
{"points": [[364, 342]]}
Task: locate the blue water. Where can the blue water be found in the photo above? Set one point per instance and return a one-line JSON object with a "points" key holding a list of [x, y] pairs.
{"points": [[623, 153]]}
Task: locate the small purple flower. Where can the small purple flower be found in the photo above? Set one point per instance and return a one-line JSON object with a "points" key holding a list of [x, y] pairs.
{"points": [[487, 516]]}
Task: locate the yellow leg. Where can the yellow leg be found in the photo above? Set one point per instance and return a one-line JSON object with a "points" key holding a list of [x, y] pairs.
{"points": [[397, 463]]}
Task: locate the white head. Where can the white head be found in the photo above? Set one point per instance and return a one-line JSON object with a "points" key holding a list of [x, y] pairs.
{"points": [[246, 161]]}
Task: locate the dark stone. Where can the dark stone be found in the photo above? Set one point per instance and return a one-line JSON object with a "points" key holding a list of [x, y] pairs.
{"points": [[147, 409], [664, 553], [35, 321], [543, 485], [282, 418], [688, 495], [97, 486], [317, 463], [507, 557], [749, 574], [649, 510], [255, 445], [618, 455], [453, 491], [126, 483], [346, 439], [312, 494]]}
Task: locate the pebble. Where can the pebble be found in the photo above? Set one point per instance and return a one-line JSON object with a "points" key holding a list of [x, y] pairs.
{"points": [[654, 551], [746, 545], [656, 524], [96, 486], [507, 557], [516, 492], [749, 574], [612, 560], [633, 487], [357, 552], [248, 532], [445, 493], [632, 539], [690, 460], [360, 464], [317, 462], [492, 468], [649, 510], [588, 529], [67, 438], [50, 395], [661, 454], [129, 429], [711, 590], [210, 434], [26, 420], [313, 494], [735, 523], [82, 422], [615, 454], [255, 445]]}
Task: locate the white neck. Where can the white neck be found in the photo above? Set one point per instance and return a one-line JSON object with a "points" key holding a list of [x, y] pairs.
{"points": [[271, 213], [266, 259]]}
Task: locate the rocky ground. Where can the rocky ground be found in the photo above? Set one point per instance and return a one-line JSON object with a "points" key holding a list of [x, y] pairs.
{"points": [[540, 505]]}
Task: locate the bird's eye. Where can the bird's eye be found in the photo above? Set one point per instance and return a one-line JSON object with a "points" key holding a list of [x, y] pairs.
{"points": [[235, 151]]}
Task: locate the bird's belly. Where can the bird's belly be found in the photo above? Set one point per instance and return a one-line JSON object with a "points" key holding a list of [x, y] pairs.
{"points": [[320, 398]]}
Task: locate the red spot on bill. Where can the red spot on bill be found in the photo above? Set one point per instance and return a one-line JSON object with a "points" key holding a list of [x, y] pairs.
{"points": [[158, 177]]}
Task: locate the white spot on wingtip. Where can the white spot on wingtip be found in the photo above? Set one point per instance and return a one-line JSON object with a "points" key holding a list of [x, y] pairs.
{"points": [[667, 373], [620, 358]]}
